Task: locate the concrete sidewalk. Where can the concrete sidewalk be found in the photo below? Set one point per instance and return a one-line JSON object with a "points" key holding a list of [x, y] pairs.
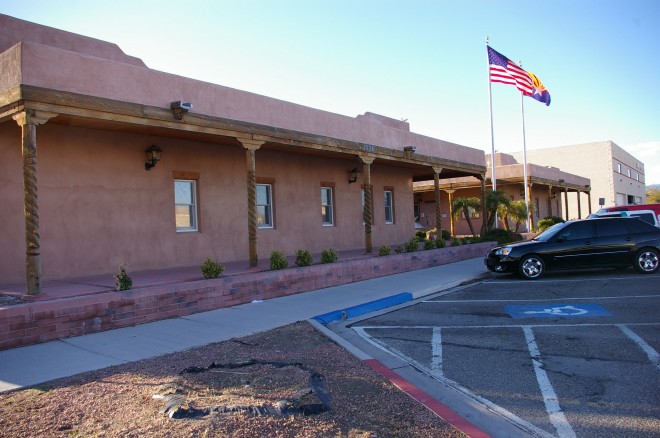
{"points": [[34, 364]]}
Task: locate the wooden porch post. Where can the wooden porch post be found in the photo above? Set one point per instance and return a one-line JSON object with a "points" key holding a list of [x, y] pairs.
{"points": [[578, 205], [451, 211], [28, 121], [549, 200], [251, 146], [368, 202], [589, 199], [438, 210], [566, 201]]}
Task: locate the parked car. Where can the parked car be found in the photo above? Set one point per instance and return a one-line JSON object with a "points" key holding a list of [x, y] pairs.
{"points": [[578, 244], [645, 215]]}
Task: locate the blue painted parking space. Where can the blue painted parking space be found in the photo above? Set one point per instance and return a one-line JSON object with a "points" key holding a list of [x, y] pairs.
{"points": [[556, 311]]}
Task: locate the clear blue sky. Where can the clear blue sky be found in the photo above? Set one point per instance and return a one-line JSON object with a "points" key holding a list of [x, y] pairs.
{"points": [[420, 60]]}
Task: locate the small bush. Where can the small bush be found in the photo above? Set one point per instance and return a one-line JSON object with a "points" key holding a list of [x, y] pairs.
{"points": [[501, 236], [445, 234], [122, 280], [547, 222], [421, 235], [412, 245], [278, 261], [457, 242], [384, 250], [211, 268], [329, 255], [303, 258], [429, 244], [399, 249], [440, 242]]}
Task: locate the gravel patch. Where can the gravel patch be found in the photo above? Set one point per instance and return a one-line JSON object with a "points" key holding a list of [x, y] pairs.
{"points": [[288, 382]]}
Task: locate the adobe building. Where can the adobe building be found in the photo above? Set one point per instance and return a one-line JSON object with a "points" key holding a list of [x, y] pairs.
{"points": [[548, 188], [617, 178], [104, 163]]}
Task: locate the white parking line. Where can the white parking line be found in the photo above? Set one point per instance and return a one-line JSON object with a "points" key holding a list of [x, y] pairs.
{"points": [[436, 351], [363, 327], [550, 399], [566, 280], [653, 355], [513, 418], [542, 299], [556, 416]]}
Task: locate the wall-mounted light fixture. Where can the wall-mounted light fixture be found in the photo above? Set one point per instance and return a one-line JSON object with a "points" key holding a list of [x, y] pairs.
{"points": [[153, 156], [409, 148], [179, 108], [353, 175]]}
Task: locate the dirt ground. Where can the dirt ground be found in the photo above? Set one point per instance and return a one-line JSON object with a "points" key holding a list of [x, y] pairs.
{"points": [[288, 382]]}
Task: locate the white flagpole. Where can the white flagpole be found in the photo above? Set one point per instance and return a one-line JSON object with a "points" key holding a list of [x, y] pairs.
{"points": [[522, 112], [493, 178]]}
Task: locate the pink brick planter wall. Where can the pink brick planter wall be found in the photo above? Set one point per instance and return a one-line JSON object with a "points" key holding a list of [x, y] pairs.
{"points": [[36, 322]]}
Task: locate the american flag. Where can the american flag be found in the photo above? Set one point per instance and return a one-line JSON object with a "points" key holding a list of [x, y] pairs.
{"points": [[503, 70]]}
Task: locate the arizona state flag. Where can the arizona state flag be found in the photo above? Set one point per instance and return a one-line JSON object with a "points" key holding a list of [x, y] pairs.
{"points": [[505, 71]]}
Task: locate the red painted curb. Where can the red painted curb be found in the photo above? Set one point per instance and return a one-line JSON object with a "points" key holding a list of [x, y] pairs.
{"points": [[429, 402]]}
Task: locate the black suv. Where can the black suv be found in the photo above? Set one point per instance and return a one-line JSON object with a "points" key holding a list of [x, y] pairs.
{"points": [[588, 243]]}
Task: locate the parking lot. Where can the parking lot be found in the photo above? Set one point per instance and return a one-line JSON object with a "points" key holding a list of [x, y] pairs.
{"points": [[574, 354]]}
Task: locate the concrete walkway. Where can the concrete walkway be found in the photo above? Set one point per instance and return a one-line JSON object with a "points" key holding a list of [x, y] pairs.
{"points": [[34, 364]]}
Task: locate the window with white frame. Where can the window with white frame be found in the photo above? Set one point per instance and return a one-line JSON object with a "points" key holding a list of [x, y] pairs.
{"points": [[618, 167], [629, 173], [389, 207], [185, 205], [327, 207], [265, 206]]}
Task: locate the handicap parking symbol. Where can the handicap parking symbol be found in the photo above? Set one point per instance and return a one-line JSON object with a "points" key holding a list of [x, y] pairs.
{"points": [[556, 311]]}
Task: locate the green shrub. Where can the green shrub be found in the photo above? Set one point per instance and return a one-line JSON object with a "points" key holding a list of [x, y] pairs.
{"points": [[421, 235], [399, 249], [412, 245], [547, 222], [457, 241], [303, 258], [440, 242], [278, 261], [446, 235], [211, 268], [501, 236], [122, 279], [384, 250], [329, 255], [429, 244]]}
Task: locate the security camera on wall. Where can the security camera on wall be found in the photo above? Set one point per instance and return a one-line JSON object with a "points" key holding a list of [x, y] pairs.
{"points": [[179, 108]]}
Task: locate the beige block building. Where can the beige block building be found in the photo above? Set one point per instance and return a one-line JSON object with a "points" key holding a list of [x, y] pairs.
{"points": [[617, 178]]}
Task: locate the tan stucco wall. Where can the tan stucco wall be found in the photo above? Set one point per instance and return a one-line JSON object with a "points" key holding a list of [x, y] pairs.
{"points": [[594, 161], [54, 68], [13, 30], [98, 207]]}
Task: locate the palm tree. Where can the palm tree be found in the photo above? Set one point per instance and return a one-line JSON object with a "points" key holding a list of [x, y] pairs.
{"points": [[518, 212], [494, 198], [503, 215], [463, 205]]}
